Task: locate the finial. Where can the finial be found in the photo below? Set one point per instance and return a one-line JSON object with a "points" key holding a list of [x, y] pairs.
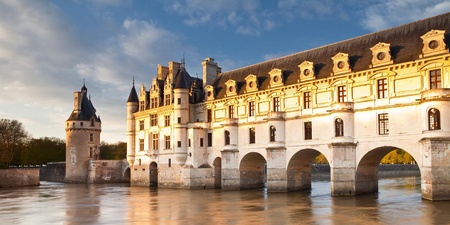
{"points": [[183, 62], [133, 81]]}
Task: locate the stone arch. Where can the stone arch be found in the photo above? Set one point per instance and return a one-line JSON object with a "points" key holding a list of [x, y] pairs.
{"points": [[252, 171], [153, 170], [299, 170], [366, 177], [127, 174], [217, 164]]}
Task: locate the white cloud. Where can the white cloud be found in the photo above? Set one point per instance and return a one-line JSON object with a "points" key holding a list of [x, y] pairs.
{"points": [[385, 14]]}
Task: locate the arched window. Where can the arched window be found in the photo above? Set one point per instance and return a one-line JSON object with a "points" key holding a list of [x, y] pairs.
{"points": [[434, 119], [227, 137], [339, 127], [272, 133]]}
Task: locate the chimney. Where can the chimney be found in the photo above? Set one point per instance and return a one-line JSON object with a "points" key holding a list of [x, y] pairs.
{"points": [[210, 71]]}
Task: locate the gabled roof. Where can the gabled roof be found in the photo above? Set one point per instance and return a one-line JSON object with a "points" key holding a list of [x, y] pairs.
{"points": [[405, 42]]}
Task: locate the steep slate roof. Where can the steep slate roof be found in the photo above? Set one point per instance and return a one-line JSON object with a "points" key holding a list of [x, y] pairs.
{"points": [[133, 95], [405, 42], [87, 110], [182, 79]]}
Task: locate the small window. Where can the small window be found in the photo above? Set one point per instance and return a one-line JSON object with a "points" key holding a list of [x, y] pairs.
{"points": [[383, 123], [92, 122], [167, 141], [272, 133], [170, 162], [167, 120], [153, 120], [179, 120], [141, 144], [251, 108], [91, 137], [179, 101], [276, 104], [382, 88], [230, 111], [308, 130], [189, 142], [227, 137], [434, 119], [141, 124], [179, 144], [209, 115], [339, 127], [201, 142], [435, 79], [342, 94], [306, 100], [167, 98], [209, 139], [252, 135]]}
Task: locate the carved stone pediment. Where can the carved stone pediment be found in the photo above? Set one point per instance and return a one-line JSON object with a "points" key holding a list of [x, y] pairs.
{"points": [[307, 71], [381, 54], [341, 63], [433, 43]]}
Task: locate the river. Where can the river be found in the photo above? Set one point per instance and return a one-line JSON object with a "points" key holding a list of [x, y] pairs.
{"points": [[398, 202]]}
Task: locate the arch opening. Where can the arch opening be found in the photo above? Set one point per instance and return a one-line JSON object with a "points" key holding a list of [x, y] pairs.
{"points": [[300, 167], [252, 171], [367, 171], [217, 164], [127, 175], [153, 170]]}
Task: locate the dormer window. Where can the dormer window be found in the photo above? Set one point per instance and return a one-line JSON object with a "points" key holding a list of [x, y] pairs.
{"points": [[381, 54], [276, 77], [341, 63], [209, 92], [306, 71], [231, 87], [433, 43]]}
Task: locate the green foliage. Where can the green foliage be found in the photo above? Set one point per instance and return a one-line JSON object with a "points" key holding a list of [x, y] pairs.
{"points": [[398, 157], [116, 151], [43, 150], [12, 140]]}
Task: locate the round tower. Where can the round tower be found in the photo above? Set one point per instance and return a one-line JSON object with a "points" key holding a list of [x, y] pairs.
{"points": [[83, 130], [132, 107]]}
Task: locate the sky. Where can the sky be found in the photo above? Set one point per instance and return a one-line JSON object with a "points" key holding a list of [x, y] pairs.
{"points": [[48, 48]]}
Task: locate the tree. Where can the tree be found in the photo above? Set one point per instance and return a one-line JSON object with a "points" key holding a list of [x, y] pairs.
{"points": [[12, 139], [43, 150], [116, 151]]}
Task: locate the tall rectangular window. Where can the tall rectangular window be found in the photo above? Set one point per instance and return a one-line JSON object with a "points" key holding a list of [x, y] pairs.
{"points": [[141, 144], [154, 102], [383, 123], [308, 130], [179, 101], [209, 115], [209, 139], [341, 94], [153, 120], [179, 120], [276, 104], [231, 111], [167, 120], [141, 105], [155, 141], [141, 124], [201, 142], [179, 144], [306, 100], [189, 142], [252, 135], [382, 88], [167, 141], [91, 137], [435, 79], [167, 98], [251, 108]]}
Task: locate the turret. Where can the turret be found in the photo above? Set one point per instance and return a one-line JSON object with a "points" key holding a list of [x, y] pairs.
{"points": [[132, 107]]}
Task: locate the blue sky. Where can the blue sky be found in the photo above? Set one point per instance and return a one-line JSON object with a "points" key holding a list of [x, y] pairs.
{"points": [[47, 47]]}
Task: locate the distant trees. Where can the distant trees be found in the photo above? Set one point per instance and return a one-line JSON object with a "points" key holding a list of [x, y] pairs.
{"points": [[394, 157], [116, 151], [13, 137], [43, 150]]}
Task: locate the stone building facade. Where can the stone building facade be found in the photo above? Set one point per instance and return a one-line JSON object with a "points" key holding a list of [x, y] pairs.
{"points": [[262, 125]]}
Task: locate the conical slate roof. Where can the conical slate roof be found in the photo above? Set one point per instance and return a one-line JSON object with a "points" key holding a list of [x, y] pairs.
{"points": [[133, 95], [87, 109]]}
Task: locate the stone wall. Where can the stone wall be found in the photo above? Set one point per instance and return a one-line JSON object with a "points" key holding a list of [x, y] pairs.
{"points": [[107, 171], [53, 171], [19, 177]]}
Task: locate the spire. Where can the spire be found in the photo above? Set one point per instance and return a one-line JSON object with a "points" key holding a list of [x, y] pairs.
{"points": [[183, 62], [84, 89], [133, 95]]}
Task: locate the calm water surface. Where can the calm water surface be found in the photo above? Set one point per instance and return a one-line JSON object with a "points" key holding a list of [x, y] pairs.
{"points": [[398, 202]]}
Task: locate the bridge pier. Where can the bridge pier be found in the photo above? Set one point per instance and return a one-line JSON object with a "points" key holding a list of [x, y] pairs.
{"points": [[276, 177], [342, 168], [435, 170], [230, 170]]}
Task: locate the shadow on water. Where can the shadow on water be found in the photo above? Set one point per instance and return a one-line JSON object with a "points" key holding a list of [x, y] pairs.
{"points": [[398, 202]]}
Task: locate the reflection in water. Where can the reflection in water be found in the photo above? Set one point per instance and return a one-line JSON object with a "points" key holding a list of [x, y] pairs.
{"points": [[399, 202]]}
